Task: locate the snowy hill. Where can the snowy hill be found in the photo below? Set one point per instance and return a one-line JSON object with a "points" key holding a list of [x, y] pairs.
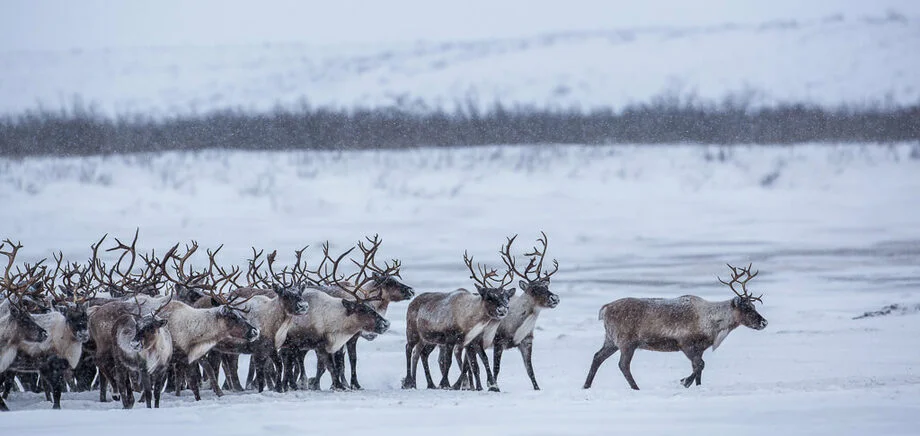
{"points": [[829, 54]]}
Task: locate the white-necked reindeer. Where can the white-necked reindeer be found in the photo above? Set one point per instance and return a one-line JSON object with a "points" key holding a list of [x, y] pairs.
{"points": [[516, 329], [453, 320], [689, 324], [16, 324]]}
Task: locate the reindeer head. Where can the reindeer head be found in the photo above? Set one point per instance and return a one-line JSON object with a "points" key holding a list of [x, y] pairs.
{"points": [[237, 325], [146, 329], [292, 298], [371, 321], [76, 318], [29, 329], [490, 288], [743, 303], [534, 281], [391, 288]]}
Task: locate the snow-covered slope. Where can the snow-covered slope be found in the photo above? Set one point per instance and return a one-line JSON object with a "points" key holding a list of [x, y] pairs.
{"points": [[832, 228], [843, 57]]}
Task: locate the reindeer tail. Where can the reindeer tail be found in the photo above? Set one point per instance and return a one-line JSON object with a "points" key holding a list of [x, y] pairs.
{"points": [[603, 312]]}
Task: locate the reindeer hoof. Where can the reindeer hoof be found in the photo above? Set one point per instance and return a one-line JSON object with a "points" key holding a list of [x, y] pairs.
{"points": [[494, 389], [686, 381], [355, 386]]}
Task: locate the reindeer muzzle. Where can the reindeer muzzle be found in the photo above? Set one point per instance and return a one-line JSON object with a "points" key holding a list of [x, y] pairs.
{"points": [[381, 326], [553, 301], [82, 336], [302, 308], [252, 334]]}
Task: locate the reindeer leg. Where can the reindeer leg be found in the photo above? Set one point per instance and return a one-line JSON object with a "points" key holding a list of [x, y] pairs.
{"points": [[320, 370], [409, 381], [251, 375], [463, 364], [231, 364], [148, 388], [179, 373], [300, 359], [170, 378], [426, 351], [194, 380], [103, 384], [490, 378], [626, 355], [288, 379], [603, 354], [353, 360], [159, 379], [526, 348], [339, 362], [471, 351], [275, 360], [212, 375], [696, 358]]}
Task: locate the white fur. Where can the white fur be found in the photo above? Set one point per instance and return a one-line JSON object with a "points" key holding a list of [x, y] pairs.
{"points": [[157, 355], [60, 342]]}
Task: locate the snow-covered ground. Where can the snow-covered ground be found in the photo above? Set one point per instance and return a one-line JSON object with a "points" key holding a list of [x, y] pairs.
{"points": [[587, 55], [833, 229]]}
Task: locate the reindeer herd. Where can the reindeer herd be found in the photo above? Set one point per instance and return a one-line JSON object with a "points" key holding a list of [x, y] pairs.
{"points": [[155, 324]]}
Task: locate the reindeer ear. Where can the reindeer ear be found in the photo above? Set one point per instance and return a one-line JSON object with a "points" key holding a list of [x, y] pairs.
{"points": [[481, 290], [509, 292], [214, 302], [522, 284], [278, 289], [160, 322]]}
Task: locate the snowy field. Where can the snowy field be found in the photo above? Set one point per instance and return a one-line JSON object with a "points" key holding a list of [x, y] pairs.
{"points": [[411, 54], [833, 229]]}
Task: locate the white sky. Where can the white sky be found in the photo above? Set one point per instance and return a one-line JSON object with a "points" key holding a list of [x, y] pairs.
{"points": [[91, 24]]}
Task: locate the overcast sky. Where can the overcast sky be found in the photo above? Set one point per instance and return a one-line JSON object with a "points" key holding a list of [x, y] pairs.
{"points": [[91, 24]]}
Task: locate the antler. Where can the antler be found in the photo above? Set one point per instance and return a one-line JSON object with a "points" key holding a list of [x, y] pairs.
{"points": [[253, 274], [742, 276], [19, 283], [508, 258], [486, 274], [224, 278], [541, 255]]}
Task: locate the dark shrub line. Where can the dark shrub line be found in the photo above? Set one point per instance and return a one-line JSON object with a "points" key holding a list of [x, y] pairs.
{"points": [[83, 132]]}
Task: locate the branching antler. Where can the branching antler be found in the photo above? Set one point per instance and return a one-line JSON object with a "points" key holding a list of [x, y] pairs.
{"points": [[539, 255], [486, 275], [742, 276]]}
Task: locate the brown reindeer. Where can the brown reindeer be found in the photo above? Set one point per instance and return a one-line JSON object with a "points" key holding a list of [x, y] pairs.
{"points": [[689, 324], [383, 281], [453, 320], [332, 321]]}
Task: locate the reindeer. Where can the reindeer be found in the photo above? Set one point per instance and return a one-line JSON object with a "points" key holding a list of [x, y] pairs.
{"points": [[332, 322], [383, 281], [454, 320], [16, 324], [136, 345], [689, 324], [128, 342], [272, 311], [195, 331], [516, 329], [67, 332]]}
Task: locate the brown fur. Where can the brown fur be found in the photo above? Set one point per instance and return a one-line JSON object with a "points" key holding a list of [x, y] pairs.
{"points": [[689, 324]]}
